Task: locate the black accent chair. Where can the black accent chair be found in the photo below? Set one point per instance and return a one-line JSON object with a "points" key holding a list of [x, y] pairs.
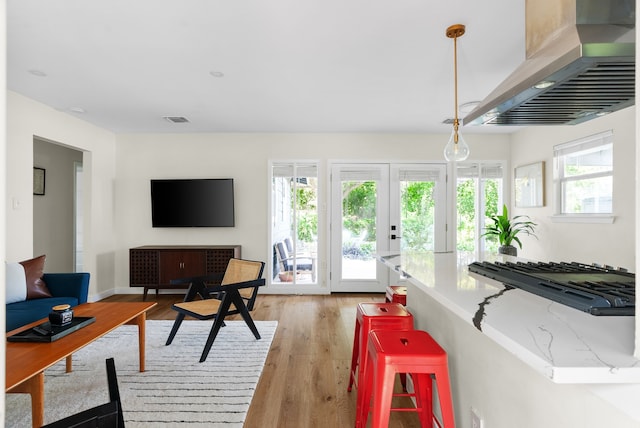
{"points": [[108, 415], [205, 300]]}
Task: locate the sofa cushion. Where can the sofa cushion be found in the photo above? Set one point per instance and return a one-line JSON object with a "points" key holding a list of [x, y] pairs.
{"points": [[16, 283], [28, 311], [36, 287]]}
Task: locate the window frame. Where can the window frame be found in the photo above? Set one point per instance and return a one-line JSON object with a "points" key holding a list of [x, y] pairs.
{"points": [[482, 168], [284, 220], [571, 148]]}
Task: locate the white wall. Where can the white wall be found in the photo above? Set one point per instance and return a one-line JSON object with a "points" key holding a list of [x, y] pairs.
{"points": [[3, 181], [245, 157], [27, 118], [612, 244]]}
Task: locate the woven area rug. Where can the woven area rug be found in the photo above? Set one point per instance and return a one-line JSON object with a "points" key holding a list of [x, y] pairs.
{"points": [[175, 389]]}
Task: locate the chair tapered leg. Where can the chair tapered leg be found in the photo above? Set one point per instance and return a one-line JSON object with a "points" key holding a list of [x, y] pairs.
{"points": [[218, 323], [212, 336], [174, 329], [251, 324], [247, 317]]}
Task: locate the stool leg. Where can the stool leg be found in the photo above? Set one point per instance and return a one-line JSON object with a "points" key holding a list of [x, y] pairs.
{"points": [[363, 353], [444, 394], [383, 381], [363, 401], [354, 355], [422, 385]]}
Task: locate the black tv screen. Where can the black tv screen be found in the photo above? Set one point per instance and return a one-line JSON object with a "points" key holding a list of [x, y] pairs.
{"points": [[192, 203]]}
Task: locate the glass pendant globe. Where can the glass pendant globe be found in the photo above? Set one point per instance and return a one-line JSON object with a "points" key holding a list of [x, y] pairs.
{"points": [[456, 152]]}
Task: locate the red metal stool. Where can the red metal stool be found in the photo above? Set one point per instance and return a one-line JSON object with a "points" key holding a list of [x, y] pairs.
{"points": [[414, 352], [379, 316], [397, 294]]}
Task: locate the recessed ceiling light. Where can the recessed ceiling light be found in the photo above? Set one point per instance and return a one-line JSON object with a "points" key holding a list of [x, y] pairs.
{"points": [[176, 119], [544, 84], [216, 73], [38, 73]]}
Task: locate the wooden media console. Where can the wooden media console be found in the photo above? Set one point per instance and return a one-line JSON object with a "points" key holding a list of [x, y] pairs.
{"points": [[154, 266]]}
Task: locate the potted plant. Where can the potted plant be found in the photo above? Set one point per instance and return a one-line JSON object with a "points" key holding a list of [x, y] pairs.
{"points": [[507, 230]]}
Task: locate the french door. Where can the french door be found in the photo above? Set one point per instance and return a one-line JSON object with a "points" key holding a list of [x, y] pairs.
{"points": [[378, 208]]}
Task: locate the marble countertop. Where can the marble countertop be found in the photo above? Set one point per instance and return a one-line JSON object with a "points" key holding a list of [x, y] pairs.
{"points": [[564, 344]]}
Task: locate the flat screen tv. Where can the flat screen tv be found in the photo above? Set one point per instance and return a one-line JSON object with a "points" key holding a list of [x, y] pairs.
{"points": [[192, 203]]}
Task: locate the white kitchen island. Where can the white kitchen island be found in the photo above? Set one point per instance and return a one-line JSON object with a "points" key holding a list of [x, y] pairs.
{"points": [[517, 359]]}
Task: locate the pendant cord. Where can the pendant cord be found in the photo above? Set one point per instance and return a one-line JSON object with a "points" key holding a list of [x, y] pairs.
{"points": [[455, 88]]}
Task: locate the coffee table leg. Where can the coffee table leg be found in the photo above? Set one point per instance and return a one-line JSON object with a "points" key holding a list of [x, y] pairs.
{"points": [[69, 363], [141, 321], [34, 386]]}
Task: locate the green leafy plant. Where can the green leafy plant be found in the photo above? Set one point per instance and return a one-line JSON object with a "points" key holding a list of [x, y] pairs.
{"points": [[506, 230]]}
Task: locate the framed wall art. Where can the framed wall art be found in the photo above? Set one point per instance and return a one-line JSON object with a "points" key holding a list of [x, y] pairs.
{"points": [[529, 185]]}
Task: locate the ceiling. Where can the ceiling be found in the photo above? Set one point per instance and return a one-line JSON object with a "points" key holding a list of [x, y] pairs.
{"points": [[379, 66]]}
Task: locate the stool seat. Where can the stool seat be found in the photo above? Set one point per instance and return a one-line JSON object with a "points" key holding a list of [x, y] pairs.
{"points": [[374, 316], [411, 351], [397, 294], [409, 348]]}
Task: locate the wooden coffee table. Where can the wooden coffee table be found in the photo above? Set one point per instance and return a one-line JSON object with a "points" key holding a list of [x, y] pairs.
{"points": [[27, 361]]}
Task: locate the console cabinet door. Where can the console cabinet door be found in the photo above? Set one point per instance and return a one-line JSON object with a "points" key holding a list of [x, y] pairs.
{"points": [[181, 264]]}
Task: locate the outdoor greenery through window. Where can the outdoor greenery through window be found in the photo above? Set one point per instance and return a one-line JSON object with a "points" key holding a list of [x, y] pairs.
{"points": [[583, 172], [479, 194], [417, 209], [294, 225], [359, 200]]}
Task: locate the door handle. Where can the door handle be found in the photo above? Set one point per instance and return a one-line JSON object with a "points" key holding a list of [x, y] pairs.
{"points": [[395, 236]]}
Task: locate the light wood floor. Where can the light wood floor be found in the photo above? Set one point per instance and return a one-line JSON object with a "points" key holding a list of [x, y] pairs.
{"points": [[305, 378]]}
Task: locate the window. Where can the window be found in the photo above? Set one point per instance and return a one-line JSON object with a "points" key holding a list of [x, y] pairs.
{"points": [[583, 175], [294, 222], [479, 195]]}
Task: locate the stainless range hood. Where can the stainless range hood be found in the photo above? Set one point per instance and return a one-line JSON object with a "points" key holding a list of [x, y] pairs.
{"points": [[584, 50]]}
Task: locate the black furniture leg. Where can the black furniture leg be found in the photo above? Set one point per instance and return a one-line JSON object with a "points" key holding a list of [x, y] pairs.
{"points": [[174, 329], [239, 303], [219, 322]]}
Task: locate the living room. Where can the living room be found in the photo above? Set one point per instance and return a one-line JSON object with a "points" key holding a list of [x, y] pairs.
{"points": [[118, 167], [117, 206]]}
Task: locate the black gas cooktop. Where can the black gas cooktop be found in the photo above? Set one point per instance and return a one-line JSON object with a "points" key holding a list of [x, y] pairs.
{"points": [[598, 290]]}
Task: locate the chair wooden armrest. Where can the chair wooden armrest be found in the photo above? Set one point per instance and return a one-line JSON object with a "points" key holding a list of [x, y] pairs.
{"points": [[197, 285], [236, 286]]}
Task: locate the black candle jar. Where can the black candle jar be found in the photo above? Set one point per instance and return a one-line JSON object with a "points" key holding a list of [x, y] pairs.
{"points": [[60, 315]]}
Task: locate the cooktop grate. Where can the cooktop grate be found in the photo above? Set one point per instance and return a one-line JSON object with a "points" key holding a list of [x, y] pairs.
{"points": [[598, 290]]}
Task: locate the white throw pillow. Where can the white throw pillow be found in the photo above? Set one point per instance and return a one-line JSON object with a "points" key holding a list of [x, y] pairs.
{"points": [[16, 290]]}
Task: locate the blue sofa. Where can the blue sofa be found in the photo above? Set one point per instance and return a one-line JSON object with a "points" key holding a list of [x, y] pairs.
{"points": [[66, 288]]}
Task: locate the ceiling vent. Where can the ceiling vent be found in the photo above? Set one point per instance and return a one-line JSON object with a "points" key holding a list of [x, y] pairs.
{"points": [[176, 119]]}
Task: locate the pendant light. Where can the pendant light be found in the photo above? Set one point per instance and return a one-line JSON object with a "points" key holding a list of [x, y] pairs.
{"points": [[456, 149]]}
